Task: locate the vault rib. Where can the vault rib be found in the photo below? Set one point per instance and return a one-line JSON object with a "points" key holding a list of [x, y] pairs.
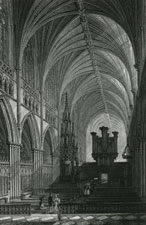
{"points": [[90, 46]]}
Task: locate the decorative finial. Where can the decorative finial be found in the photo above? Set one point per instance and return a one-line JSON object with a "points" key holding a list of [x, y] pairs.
{"points": [[66, 102]]}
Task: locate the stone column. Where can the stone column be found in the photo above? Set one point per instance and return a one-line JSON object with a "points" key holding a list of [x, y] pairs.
{"points": [[15, 188], [38, 171], [138, 172], [143, 168], [142, 43]]}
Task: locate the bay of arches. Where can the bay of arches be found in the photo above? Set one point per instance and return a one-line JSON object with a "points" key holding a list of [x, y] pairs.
{"points": [[34, 164], [4, 156]]}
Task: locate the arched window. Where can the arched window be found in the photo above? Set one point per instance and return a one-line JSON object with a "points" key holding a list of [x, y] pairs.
{"points": [[4, 34], [51, 91]]}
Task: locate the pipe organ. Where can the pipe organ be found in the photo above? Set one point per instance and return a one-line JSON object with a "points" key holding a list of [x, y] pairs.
{"points": [[104, 148]]}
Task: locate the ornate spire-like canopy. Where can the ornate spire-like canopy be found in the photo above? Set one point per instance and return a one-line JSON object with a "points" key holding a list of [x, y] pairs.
{"points": [[66, 113]]}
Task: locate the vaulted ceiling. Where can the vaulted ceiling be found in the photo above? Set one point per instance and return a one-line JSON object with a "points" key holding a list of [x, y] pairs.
{"points": [[89, 48]]}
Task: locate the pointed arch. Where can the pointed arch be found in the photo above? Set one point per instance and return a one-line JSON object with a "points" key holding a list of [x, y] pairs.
{"points": [[49, 146], [52, 136], [48, 149], [33, 129], [11, 124]]}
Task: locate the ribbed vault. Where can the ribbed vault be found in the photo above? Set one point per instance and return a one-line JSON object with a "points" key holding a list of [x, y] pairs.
{"points": [[88, 49]]}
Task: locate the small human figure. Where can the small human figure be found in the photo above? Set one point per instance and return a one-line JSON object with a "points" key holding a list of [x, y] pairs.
{"points": [[8, 197], [41, 205], [85, 189], [57, 202], [92, 186], [88, 187], [50, 202]]}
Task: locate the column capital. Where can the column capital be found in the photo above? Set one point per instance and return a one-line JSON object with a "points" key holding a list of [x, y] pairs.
{"points": [[14, 144], [37, 150]]}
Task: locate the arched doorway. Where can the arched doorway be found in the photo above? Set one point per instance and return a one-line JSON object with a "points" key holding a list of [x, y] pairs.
{"points": [[26, 157], [4, 156], [47, 160]]}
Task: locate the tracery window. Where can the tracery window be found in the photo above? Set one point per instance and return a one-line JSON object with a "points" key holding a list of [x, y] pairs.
{"points": [[28, 64], [4, 35], [51, 92]]}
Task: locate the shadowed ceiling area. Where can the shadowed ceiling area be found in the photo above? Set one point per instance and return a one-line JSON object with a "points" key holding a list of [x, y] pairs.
{"points": [[87, 49]]}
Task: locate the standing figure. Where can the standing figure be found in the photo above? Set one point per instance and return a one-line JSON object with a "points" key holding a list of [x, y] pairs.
{"points": [[84, 189], [41, 205], [57, 202], [50, 202], [88, 188]]}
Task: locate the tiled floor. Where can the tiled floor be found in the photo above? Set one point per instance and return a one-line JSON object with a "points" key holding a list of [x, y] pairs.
{"points": [[96, 219]]}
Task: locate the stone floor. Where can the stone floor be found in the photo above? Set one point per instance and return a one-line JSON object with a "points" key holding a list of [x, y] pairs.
{"points": [[95, 219]]}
